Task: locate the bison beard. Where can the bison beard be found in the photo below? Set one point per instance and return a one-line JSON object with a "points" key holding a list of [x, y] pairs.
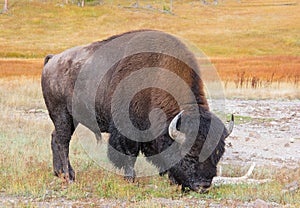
{"points": [[60, 75]]}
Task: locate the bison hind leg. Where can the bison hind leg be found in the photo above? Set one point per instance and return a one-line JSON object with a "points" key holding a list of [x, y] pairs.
{"points": [[61, 136], [58, 165], [123, 152]]}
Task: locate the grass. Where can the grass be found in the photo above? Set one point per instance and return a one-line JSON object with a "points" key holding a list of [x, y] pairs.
{"points": [[255, 72], [239, 119], [20, 67]]}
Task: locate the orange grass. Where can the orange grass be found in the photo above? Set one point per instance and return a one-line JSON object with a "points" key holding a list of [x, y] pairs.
{"points": [[15, 67], [244, 72], [259, 71]]}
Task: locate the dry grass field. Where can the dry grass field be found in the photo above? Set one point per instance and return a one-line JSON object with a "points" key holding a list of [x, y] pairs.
{"points": [[254, 45], [32, 29]]}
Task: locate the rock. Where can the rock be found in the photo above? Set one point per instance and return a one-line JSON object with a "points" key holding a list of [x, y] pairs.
{"points": [[254, 135], [291, 187], [284, 128], [36, 111], [253, 155], [229, 144], [259, 203], [292, 140], [234, 137], [155, 187], [149, 6], [273, 123], [287, 145], [247, 139]]}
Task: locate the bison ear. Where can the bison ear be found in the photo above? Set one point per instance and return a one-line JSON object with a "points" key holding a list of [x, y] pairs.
{"points": [[173, 132]]}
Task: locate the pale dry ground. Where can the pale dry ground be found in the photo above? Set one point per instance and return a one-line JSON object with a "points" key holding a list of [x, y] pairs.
{"points": [[267, 133], [277, 91]]}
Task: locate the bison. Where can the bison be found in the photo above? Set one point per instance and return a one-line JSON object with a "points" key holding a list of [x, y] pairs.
{"points": [[144, 88]]}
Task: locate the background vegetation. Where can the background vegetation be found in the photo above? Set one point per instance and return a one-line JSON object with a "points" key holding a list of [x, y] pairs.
{"points": [[32, 29], [253, 44]]}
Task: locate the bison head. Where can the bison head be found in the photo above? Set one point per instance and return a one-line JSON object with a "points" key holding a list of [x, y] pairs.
{"points": [[200, 155]]}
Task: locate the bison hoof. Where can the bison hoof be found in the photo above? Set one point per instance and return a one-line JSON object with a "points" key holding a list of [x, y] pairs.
{"points": [[68, 177], [130, 179], [129, 174], [184, 189], [172, 181]]}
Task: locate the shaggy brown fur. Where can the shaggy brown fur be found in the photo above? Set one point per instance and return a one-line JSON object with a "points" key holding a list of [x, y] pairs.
{"points": [[63, 71]]}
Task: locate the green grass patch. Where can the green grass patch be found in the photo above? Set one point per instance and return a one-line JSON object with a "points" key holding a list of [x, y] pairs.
{"points": [[239, 119]]}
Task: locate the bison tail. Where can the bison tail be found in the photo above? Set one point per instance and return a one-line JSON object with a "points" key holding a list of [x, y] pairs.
{"points": [[47, 58]]}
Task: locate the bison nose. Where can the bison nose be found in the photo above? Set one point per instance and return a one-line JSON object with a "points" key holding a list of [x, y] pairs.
{"points": [[205, 184], [204, 187], [201, 187]]}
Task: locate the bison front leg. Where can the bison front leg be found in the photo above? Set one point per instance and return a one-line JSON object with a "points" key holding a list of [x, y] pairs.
{"points": [[123, 153], [129, 172]]}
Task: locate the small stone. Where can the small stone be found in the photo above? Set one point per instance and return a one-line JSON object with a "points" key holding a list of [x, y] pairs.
{"points": [[292, 140], [229, 144], [259, 203], [273, 123], [32, 111], [291, 187], [287, 145], [247, 139], [254, 135], [153, 186], [284, 128], [253, 155]]}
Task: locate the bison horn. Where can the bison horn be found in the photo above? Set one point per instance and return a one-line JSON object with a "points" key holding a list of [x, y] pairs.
{"points": [[173, 132], [231, 124]]}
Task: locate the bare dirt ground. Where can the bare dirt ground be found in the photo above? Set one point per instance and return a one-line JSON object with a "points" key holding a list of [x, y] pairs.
{"points": [[266, 132], [107, 203]]}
